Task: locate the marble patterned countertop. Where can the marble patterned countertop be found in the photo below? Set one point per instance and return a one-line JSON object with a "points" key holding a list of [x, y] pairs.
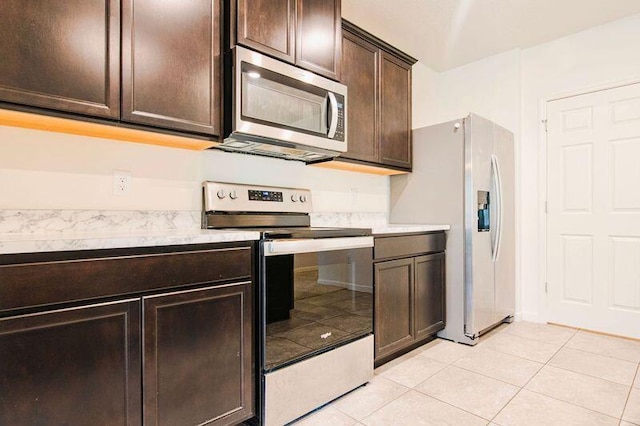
{"points": [[30, 231], [32, 243]]}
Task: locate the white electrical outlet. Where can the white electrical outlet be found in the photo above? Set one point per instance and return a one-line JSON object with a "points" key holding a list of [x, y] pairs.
{"points": [[121, 182]]}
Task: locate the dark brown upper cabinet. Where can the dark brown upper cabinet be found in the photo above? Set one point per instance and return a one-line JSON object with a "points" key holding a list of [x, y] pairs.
{"points": [[302, 32], [360, 74], [378, 77], [61, 55], [268, 26], [171, 64], [395, 111]]}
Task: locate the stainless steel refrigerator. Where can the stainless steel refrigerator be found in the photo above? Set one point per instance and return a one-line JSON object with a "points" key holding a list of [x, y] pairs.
{"points": [[463, 175]]}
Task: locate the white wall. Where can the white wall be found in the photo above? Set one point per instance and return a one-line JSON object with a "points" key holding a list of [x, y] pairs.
{"points": [[490, 88], [511, 89], [45, 170], [598, 57]]}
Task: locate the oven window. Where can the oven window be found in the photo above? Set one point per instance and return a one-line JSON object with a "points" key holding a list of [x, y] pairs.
{"points": [[316, 301]]}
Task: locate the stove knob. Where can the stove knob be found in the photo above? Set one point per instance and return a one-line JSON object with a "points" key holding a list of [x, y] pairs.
{"points": [[221, 193], [303, 198], [233, 194], [295, 197]]}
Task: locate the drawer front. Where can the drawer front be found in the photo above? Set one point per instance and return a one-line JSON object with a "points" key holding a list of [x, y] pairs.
{"points": [[45, 283], [408, 245]]}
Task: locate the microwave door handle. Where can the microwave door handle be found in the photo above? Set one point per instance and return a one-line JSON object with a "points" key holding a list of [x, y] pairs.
{"points": [[333, 116]]}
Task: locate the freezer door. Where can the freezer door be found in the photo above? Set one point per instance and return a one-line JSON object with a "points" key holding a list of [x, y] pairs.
{"points": [[480, 225], [504, 264]]}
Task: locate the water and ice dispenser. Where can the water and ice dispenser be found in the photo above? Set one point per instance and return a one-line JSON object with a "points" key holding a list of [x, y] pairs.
{"points": [[483, 211]]}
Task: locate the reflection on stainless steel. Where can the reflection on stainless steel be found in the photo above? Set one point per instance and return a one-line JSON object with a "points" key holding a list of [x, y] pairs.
{"points": [[285, 113], [314, 297], [318, 309], [471, 161]]}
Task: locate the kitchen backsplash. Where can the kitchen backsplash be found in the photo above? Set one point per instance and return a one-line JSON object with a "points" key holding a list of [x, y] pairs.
{"points": [[95, 221], [98, 221], [349, 219]]}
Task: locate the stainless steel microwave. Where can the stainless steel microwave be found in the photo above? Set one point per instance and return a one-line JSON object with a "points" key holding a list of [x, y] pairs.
{"points": [[279, 110]]}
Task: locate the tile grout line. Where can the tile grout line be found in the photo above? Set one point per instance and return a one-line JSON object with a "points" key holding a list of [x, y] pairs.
{"points": [[448, 403], [381, 407], [423, 394], [528, 381], [626, 402], [520, 388], [501, 380], [567, 402]]}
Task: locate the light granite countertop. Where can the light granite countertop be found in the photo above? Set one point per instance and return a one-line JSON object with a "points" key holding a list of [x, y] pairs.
{"points": [[30, 231], [32, 243]]}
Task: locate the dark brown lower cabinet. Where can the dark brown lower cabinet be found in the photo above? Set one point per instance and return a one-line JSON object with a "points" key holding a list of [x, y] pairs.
{"points": [[429, 295], [177, 349], [75, 366], [197, 359], [409, 292], [394, 305]]}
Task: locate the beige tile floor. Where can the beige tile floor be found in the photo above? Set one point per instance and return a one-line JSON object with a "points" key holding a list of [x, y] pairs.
{"points": [[520, 374]]}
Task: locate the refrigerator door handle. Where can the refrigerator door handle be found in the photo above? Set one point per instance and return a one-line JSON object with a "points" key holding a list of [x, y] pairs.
{"points": [[497, 181]]}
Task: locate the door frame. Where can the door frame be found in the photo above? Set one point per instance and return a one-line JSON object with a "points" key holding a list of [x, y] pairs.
{"points": [[543, 141]]}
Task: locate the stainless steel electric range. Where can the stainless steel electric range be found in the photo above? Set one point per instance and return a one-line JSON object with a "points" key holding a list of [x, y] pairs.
{"points": [[314, 298]]}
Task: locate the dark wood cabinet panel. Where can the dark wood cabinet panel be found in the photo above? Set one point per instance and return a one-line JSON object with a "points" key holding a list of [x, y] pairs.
{"points": [[171, 64], [409, 292], [302, 32], [408, 245], [319, 36], [268, 26], [360, 75], [198, 356], [379, 112], [393, 318], [429, 295], [42, 282], [395, 112], [62, 55], [76, 366]]}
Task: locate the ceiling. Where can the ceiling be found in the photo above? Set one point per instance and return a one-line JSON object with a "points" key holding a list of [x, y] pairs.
{"points": [[444, 34]]}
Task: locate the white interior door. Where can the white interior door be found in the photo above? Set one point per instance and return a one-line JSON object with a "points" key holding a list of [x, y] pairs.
{"points": [[593, 220]]}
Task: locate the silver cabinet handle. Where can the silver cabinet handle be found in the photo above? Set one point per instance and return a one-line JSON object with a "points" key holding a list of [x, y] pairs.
{"points": [[293, 246], [333, 102]]}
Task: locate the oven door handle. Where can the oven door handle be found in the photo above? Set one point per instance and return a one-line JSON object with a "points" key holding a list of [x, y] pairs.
{"points": [[293, 246]]}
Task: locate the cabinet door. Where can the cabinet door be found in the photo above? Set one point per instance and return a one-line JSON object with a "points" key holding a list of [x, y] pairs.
{"points": [[198, 356], [171, 64], [268, 26], [62, 55], [429, 295], [78, 366], [359, 74], [319, 36], [395, 112], [393, 326]]}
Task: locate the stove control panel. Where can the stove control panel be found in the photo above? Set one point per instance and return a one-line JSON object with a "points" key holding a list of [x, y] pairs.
{"points": [[233, 197]]}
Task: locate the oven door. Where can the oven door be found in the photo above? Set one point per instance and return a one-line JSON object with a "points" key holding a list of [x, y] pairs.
{"points": [[317, 294]]}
